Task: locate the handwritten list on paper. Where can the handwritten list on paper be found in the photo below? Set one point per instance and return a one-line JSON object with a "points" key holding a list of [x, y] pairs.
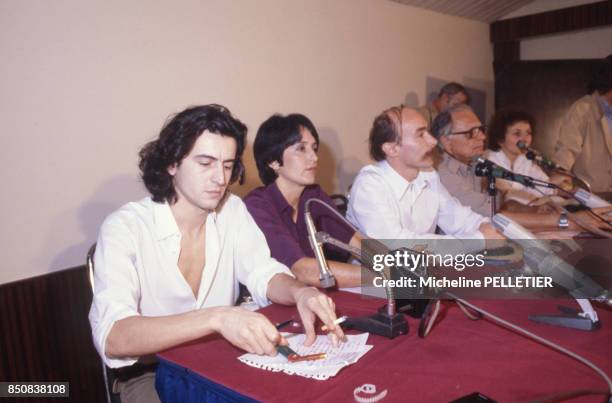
{"points": [[337, 357]]}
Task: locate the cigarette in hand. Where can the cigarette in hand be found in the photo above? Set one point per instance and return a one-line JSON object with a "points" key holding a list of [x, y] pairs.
{"points": [[336, 322]]}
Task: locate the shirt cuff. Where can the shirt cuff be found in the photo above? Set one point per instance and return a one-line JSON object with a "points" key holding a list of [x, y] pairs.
{"points": [[259, 281], [101, 331]]}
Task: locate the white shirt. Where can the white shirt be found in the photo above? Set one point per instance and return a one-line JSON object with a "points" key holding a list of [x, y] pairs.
{"points": [[523, 166], [384, 205], [137, 273]]}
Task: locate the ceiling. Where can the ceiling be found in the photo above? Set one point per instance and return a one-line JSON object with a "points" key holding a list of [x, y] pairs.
{"points": [[480, 10]]}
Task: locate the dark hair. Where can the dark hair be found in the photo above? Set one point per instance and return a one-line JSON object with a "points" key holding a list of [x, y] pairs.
{"points": [[453, 88], [384, 130], [602, 79], [275, 135], [442, 125], [176, 140], [500, 122]]}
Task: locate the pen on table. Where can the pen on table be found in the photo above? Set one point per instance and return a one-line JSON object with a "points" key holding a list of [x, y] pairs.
{"points": [[283, 324], [336, 322], [292, 356]]}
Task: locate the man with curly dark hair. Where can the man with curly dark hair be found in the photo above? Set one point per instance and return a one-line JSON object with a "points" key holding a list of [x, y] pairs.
{"points": [[167, 267]]}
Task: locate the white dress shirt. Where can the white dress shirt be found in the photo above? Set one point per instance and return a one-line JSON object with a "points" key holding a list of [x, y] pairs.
{"points": [[384, 205], [137, 273], [515, 191]]}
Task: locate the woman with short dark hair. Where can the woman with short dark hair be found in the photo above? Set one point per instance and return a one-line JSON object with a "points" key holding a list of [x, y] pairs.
{"points": [[285, 151], [508, 127]]}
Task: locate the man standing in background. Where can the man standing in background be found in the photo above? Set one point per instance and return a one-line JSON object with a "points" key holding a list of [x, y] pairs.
{"points": [[450, 95], [584, 145]]}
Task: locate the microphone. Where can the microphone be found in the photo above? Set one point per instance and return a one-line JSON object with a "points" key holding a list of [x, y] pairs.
{"points": [[550, 265], [589, 199], [484, 167], [326, 277], [538, 257], [547, 163], [536, 156], [515, 231], [387, 321]]}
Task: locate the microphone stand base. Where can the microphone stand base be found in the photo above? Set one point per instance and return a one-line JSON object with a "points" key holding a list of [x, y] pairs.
{"points": [[380, 323], [413, 307], [571, 321], [327, 282]]}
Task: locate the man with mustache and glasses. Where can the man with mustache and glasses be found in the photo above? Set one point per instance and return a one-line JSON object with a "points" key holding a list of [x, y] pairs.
{"points": [[167, 267], [462, 137], [400, 196]]}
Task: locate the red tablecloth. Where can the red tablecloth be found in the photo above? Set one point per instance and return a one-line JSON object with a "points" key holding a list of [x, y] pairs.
{"points": [[458, 357]]}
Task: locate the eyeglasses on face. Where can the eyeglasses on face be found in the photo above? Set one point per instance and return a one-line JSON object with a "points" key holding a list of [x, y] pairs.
{"points": [[472, 132]]}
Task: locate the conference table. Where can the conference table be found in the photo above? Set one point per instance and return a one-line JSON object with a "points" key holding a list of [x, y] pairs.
{"points": [[458, 357]]}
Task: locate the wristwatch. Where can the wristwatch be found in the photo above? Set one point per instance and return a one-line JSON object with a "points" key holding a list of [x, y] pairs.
{"points": [[563, 221]]}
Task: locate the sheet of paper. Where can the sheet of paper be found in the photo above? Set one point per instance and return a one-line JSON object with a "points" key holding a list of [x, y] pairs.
{"points": [[337, 357]]}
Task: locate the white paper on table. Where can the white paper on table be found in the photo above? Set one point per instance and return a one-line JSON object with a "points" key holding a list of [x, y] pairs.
{"points": [[346, 353]]}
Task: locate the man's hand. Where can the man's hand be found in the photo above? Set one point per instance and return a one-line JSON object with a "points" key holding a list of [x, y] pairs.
{"points": [[250, 331], [565, 182], [312, 303], [588, 221], [605, 212], [488, 231]]}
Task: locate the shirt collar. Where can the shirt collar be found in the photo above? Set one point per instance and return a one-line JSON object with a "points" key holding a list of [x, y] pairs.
{"points": [[607, 109], [399, 184], [278, 199], [165, 223], [454, 165]]}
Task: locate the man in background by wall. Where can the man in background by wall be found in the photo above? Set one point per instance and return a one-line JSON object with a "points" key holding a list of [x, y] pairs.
{"points": [[584, 145], [450, 95], [167, 267]]}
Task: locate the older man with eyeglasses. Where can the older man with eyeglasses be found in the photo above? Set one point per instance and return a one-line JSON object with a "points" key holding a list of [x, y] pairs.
{"points": [[462, 137]]}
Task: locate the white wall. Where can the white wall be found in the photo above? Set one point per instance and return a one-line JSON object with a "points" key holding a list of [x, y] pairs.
{"points": [[586, 44], [85, 84]]}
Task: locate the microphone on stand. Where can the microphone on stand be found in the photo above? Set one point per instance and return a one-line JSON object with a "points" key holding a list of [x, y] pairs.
{"points": [[536, 156], [326, 277], [485, 167], [542, 260], [547, 163], [387, 321], [589, 199]]}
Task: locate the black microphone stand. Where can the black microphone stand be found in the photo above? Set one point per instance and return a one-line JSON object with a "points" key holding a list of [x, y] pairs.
{"points": [[492, 190], [549, 165], [484, 169]]}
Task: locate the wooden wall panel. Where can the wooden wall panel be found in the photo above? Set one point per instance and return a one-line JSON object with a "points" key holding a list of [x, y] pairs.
{"points": [[45, 334], [551, 22], [546, 89]]}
